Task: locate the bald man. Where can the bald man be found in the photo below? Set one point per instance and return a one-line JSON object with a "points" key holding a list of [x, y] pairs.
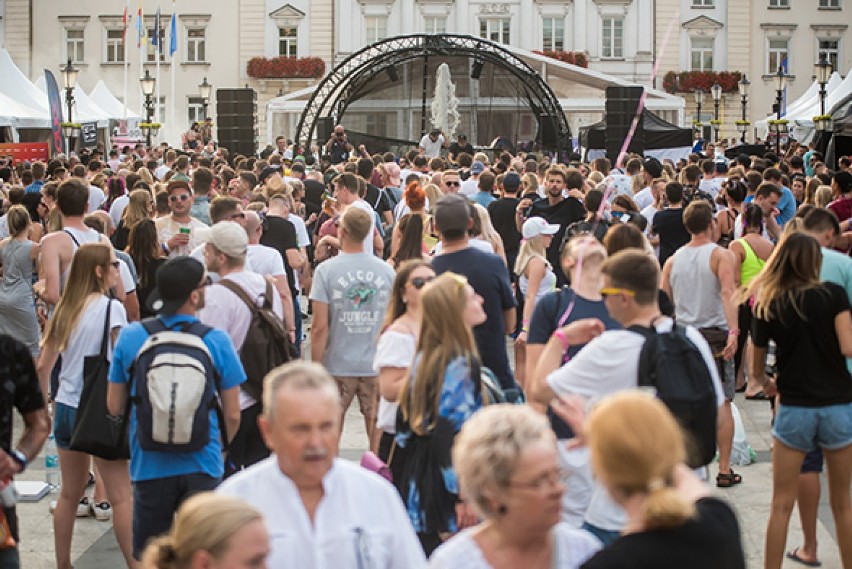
{"points": [[338, 148]]}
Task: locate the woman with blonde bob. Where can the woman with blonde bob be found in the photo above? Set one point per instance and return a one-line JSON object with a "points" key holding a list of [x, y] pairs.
{"points": [[442, 391], [140, 206], [211, 530], [75, 331], [637, 451], [508, 469]]}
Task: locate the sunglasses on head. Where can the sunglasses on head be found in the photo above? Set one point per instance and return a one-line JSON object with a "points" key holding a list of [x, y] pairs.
{"points": [[420, 282], [181, 197]]}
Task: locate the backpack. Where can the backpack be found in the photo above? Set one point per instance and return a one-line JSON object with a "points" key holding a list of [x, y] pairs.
{"points": [[597, 228], [672, 364], [493, 392], [177, 385], [267, 344]]}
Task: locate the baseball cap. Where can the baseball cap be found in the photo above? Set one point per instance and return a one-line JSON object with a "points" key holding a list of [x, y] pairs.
{"points": [[511, 180], [452, 213], [535, 226], [177, 184], [227, 236], [653, 167], [176, 279], [477, 167], [435, 131]]}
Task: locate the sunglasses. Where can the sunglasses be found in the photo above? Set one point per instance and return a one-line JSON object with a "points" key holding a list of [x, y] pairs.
{"points": [[605, 292], [181, 197], [420, 282], [452, 183]]}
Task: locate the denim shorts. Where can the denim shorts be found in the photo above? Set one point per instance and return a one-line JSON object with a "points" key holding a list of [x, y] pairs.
{"points": [[808, 428], [63, 425]]}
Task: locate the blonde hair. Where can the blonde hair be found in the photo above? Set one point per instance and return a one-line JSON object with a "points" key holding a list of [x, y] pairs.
{"points": [[635, 444], [205, 522], [530, 248], [83, 281], [595, 178], [488, 447], [433, 194], [823, 196], [486, 228], [146, 176], [138, 208], [18, 220], [444, 336]]}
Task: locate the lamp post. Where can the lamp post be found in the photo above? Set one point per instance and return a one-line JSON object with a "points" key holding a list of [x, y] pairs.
{"points": [[148, 84], [699, 99], [822, 70], [780, 82], [204, 90], [69, 78], [716, 92], [743, 86]]}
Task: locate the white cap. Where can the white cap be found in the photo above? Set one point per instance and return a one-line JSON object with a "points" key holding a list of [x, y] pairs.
{"points": [[227, 236], [538, 226]]}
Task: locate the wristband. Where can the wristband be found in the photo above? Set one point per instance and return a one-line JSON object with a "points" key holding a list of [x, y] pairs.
{"points": [[560, 335], [734, 332], [19, 458]]}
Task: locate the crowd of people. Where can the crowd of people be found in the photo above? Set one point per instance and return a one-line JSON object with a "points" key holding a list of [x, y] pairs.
{"points": [[498, 317]]}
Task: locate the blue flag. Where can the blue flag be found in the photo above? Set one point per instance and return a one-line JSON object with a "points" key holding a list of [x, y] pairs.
{"points": [[173, 38], [156, 39]]}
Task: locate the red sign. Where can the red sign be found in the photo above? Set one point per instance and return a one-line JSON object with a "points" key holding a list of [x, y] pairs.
{"points": [[26, 151]]}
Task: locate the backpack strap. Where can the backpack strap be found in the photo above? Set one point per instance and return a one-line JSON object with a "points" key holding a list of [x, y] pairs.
{"points": [[241, 293], [71, 235]]}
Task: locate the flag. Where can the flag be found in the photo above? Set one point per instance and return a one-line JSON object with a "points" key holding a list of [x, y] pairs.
{"points": [[784, 100], [156, 38], [140, 26], [55, 103], [173, 38], [124, 26]]}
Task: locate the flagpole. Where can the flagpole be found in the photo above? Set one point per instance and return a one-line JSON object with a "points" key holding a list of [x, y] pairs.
{"points": [[142, 33], [126, 58], [157, 52], [172, 53]]}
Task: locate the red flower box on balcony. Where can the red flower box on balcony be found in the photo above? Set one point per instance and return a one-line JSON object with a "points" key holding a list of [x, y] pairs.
{"points": [[689, 81], [286, 67], [577, 58]]}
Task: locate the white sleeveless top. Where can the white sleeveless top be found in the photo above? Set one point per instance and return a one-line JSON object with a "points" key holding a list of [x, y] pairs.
{"points": [[696, 289]]}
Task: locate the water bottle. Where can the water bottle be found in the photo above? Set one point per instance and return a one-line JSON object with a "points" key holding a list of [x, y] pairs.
{"points": [[51, 464]]}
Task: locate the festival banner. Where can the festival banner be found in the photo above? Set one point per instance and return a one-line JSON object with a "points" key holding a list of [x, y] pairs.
{"points": [[55, 104]]}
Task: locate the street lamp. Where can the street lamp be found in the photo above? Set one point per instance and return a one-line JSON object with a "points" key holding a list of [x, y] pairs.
{"points": [[780, 83], [699, 99], [148, 84], [69, 78], [204, 89], [716, 92], [743, 86], [822, 70]]}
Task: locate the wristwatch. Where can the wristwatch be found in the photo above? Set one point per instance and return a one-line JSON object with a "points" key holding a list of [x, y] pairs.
{"points": [[20, 458]]}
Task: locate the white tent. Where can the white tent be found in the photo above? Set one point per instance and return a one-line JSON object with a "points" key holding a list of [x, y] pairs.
{"points": [[801, 112], [26, 101], [103, 97], [18, 115], [85, 110]]}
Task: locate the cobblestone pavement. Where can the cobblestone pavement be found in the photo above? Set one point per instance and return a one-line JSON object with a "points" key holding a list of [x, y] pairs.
{"points": [[94, 546]]}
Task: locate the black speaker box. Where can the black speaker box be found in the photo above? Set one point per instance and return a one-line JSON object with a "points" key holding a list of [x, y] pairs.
{"points": [[622, 104]]}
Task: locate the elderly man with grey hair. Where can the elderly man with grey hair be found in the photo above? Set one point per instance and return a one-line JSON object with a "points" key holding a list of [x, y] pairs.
{"points": [[320, 510]]}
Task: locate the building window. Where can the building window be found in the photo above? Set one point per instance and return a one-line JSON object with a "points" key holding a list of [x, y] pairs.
{"points": [[776, 56], [831, 49], [436, 25], [114, 48], [152, 49], [613, 38], [74, 45], [377, 28], [829, 3], [494, 29], [779, 3], [701, 54], [288, 42], [196, 43], [195, 109], [554, 34], [702, 3]]}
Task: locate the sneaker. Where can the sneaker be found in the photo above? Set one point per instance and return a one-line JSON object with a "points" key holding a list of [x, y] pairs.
{"points": [[82, 507], [102, 511]]}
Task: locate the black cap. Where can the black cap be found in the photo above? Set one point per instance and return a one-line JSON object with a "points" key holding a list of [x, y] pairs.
{"points": [[653, 167], [176, 279]]}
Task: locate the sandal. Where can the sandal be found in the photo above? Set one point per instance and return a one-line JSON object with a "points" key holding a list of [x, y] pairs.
{"points": [[728, 480]]}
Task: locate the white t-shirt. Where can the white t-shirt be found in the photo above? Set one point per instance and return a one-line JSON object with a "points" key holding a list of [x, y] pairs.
{"points": [[368, 240], [618, 185], [395, 349], [648, 213], [359, 512], [96, 199], [712, 186], [644, 198], [402, 209], [572, 548], [126, 277], [161, 171], [266, 261], [480, 244], [302, 240], [432, 149], [4, 226], [225, 310], [85, 340], [117, 208], [168, 227], [469, 187]]}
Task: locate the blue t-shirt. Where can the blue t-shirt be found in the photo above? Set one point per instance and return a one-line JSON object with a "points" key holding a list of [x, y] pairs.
{"points": [[786, 206], [483, 198], [150, 465], [488, 276]]}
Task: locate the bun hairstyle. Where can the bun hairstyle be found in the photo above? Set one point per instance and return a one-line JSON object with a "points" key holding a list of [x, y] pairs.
{"points": [[204, 522], [414, 196], [635, 445]]}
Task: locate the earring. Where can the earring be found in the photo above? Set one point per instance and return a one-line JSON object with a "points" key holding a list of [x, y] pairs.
{"points": [[502, 509]]}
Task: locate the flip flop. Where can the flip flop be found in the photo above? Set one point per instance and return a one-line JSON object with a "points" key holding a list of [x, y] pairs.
{"points": [[759, 396], [794, 555]]}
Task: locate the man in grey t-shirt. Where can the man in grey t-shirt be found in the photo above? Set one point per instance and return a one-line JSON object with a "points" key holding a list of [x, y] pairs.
{"points": [[350, 295]]}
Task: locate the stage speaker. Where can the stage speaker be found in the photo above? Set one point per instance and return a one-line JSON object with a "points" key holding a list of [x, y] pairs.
{"points": [[325, 126], [548, 131], [622, 104], [236, 117]]}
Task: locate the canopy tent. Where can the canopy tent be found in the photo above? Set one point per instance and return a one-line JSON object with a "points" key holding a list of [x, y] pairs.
{"points": [[85, 110], [662, 139], [19, 115], [23, 100], [103, 97], [801, 112]]}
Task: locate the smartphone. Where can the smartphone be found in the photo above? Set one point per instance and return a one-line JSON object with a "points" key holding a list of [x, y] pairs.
{"points": [[185, 230]]}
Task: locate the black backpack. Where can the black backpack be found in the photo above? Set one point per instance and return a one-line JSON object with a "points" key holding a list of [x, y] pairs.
{"points": [[672, 364], [267, 344]]}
